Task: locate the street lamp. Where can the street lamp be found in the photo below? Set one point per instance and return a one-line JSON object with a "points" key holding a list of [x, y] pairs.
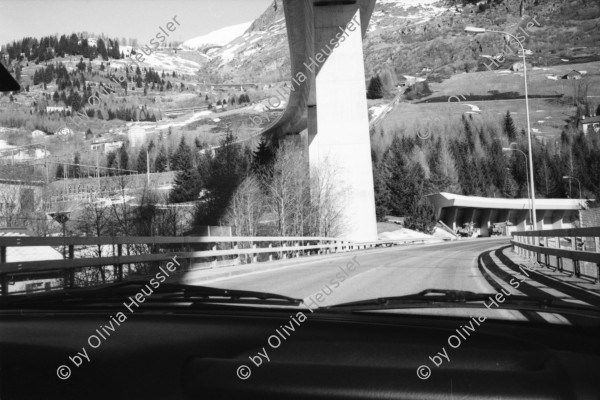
{"points": [[578, 182], [482, 30], [526, 176]]}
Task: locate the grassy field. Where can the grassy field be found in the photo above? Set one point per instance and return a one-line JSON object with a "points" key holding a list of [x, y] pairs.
{"points": [[548, 116], [488, 82]]}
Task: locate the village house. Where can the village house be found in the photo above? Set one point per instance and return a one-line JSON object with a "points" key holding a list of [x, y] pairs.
{"points": [[590, 124], [106, 145], [518, 66], [53, 109], [572, 75], [92, 42]]}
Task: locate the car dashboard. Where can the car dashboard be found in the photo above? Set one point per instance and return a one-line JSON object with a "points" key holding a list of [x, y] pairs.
{"points": [[228, 353]]}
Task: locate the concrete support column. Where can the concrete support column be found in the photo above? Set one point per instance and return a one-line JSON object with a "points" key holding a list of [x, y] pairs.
{"points": [[450, 219], [494, 216], [468, 214], [339, 142], [503, 215], [522, 220], [557, 219], [540, 214], [485, 222]]}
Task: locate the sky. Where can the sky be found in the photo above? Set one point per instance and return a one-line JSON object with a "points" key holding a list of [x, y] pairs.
{"points": [[139, 19]]}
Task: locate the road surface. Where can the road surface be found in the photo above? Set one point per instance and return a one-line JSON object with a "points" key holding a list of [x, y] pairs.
{"points": [[391, 271]]}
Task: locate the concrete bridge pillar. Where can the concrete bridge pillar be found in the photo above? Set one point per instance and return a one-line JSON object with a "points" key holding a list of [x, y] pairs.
{"points": [[338, 124], [484, 222], [540, 214], [521, 221], [450, 219], [557, 219]]}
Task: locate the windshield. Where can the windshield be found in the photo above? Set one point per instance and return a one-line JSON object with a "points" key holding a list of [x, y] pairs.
{"points": [[423, 157]]}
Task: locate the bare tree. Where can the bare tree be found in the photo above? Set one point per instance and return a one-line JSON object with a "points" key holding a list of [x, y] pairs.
{"points": [[25, 207], [9, 206], [95, 220], [327, 200], [245, 209], [304, 204], [287, 189]]}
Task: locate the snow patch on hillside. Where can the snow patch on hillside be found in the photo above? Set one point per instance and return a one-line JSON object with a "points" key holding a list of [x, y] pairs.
{"points": [[403, 234], [220, 37]]}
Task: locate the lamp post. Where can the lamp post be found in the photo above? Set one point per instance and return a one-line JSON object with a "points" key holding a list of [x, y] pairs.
{"points": [[527, 177], [578, 182], [482, 30]]}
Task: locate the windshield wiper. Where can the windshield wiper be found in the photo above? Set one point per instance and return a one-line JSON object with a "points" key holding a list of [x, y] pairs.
{"points": [[428, 296], [166, 293], [440, 298]]}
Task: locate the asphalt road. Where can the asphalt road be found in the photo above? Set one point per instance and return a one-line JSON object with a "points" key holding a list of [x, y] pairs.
{"points": [[378, 272]]}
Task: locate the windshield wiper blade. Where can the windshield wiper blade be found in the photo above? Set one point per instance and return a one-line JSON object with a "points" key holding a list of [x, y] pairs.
{"points": [[165, 293], [432, 298], [428, 296]]}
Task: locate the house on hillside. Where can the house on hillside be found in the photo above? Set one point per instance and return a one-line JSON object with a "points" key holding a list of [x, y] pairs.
{"points": [[53, 109], [92, 42], [408, 80], [37, 134], [518, 66], [590, 124], [106, 145], [572, 75]]}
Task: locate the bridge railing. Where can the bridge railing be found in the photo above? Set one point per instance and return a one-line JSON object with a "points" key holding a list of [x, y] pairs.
{"points": [[92, 260], [575, 251]]}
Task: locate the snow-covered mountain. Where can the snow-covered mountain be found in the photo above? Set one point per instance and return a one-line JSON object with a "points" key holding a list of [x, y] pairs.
{"points": [[261, 54], [405, 37], [220, 37]]}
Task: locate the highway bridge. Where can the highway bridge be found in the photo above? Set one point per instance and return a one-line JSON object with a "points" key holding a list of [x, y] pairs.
{"points": [[389, 271], [479, 266], [324, 271]]}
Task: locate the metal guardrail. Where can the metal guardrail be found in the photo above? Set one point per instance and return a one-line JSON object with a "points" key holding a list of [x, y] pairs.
{"points": [[154, 249], [578, 249]]}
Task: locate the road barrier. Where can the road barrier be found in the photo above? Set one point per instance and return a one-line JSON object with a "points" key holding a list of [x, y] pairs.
{"points": [[575, 251], [142, 253]]}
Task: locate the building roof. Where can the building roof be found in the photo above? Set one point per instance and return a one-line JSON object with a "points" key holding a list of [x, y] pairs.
{"points": [[443, 200], [572, 74], [108, 140], [28, 253]]}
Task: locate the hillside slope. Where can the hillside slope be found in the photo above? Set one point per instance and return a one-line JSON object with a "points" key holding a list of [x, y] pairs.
{"points": [[404, 37]]}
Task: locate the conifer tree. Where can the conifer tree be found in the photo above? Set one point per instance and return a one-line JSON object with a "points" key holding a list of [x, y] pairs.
{"points": [[142, 160], [123, 158], [160, 163], [508, 127], [375, 89], [263, 156], [182, 158]]}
